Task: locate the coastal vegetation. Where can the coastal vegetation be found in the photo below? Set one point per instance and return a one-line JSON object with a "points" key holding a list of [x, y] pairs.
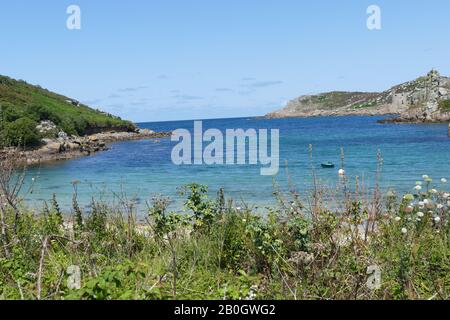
{"points": [[23, 107], [445, 105], [341, 244], [424, 99]]}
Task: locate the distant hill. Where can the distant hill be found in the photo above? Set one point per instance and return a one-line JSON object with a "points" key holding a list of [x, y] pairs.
{"points": [[25, 108], [426, 99]]}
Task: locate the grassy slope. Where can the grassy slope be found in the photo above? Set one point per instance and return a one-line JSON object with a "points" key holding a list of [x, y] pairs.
{"points": [[337, 99], [330, 101], [19, 100]]}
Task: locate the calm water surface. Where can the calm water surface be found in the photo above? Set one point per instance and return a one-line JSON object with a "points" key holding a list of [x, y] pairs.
{"points": [[143, 169]]}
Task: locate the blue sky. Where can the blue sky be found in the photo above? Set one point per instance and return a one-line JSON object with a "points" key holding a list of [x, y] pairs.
{"points": [[188, 59]]}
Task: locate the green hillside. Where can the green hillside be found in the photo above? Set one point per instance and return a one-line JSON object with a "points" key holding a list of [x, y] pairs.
{"points": [[24, 106]]}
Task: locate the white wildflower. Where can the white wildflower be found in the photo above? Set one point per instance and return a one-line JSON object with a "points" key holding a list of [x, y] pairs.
{"points": [[398, 219], [440, 206], [433, 191], [425, 177], [252, 292], [420, 214], [418, 188], [437, 219], [443, 180], [404, 231]]}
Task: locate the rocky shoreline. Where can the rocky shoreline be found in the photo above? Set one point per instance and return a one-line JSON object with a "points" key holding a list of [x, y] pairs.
{"points": [[331, 113], [415, 120], [65, 147], [423, 100]]}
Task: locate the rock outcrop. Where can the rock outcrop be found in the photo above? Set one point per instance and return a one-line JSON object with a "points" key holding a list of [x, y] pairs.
{"points": [[47, 128], [426, 99], [67, 147]]}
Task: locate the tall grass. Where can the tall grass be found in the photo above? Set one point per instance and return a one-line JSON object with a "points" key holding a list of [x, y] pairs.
{"points": [[320, 246]]}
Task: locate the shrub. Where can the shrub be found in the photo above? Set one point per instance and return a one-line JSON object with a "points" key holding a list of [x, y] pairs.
{"points": [[199, 205], [21, 132], [444, 105]]}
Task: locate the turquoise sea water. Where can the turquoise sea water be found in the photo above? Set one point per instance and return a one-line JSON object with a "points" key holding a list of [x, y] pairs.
{"points": [[143, 169]]}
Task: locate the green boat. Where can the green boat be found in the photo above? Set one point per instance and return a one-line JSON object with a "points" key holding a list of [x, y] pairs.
{"points": [[328, 165]]}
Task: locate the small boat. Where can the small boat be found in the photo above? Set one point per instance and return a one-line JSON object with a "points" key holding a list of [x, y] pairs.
{"points": [[327, 165]]}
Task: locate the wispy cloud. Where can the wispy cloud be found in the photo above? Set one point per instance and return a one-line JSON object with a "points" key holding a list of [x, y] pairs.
{"points": [[132, 89], [262, 84]]}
